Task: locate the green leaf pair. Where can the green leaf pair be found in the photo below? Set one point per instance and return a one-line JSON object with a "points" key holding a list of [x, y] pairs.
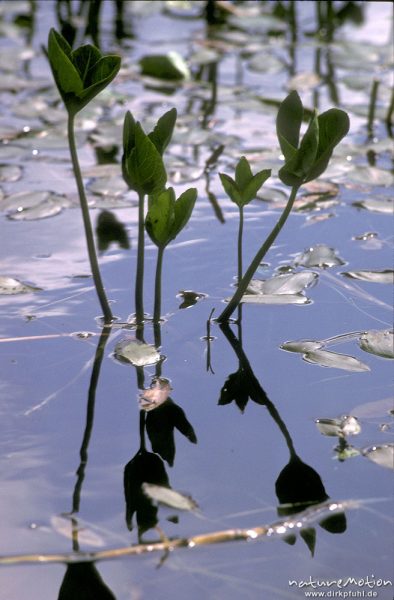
{"points": [[142, 163], [308, 159], [167, 216], [246, 185], [79, 74]]}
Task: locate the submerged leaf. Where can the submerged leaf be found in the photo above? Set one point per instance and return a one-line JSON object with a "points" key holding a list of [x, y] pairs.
{"points": [[381, 205], [136, 352], [382, 455], [65, 526], [155, 395], [169, 497], [379, 342], [169, 66], [325, 358]]}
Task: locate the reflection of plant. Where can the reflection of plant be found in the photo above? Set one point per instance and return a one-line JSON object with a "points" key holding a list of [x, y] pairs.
{"points": [[298, 485], [83, 581], [80, 75], [305, 160]]}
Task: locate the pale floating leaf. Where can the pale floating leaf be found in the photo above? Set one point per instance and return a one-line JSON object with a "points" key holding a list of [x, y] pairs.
{"points": [[370, 176], [263, 62], [375, 409], [9, 285], [136, 352], [274, 299], [302, 346], [169, 497], [155, 395], [385, 276], [346, 452], [380, 342], [383, 206], [23, 200], [339, 427], [319, 256], [65, 527], [304, 81], [382, 455], [289, 283], [10, 173], [108, 186], [273, 195], [334, 360], [47, 208]]}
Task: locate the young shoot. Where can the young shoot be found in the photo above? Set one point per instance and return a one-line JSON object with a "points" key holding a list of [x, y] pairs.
{"points": [[166, 217], [80, 75], [304, 160], [144, 172]]}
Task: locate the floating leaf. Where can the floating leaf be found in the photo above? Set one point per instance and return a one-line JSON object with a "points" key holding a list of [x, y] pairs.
{"points": [[382, 455], [319, 256], [10, 173], [339, 427], [169, 66], [304, 81], [9, 285], [274, 299], [334, 360], [375, 409], [385, 276], [47, 208], [169, 497], [383, 206], [289, 283], [302, 346], [380, 343], [136, 352], [371, 176], [70, 529], [190, 298]]}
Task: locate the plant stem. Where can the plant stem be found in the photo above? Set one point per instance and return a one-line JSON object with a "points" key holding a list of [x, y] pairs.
{"points": [[244, 282], [159, 265], [108, 318], [240, 234], [139, 278], [372, 106]]}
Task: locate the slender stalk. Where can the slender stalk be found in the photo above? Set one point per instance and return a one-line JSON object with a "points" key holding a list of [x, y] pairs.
{"points": [[159, 266], [108, 318], [139, 278], [243, 284], [372, 106], [240, 234]]}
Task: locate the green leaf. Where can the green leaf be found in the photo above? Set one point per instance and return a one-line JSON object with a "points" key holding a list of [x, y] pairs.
{"points": [[250, 191], [65, 74], [160, 217], [333, 126], [162, 133], [183, 209], [288, 124], [143, 167], [80, 74], [128, 134], [231, 188], [167, 217], [302, 160], [243, 173], [165, 66]]}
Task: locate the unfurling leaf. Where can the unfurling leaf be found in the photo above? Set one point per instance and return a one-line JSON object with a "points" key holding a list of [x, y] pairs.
{"points": [[246, 185], [167, 216], [80, 74]]}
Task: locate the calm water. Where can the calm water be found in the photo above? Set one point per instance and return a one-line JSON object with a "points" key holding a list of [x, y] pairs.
{"points": [[47, 366]]}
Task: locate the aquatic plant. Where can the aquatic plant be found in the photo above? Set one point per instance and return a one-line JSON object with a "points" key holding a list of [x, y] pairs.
{"points": [[305, 159], [144, 172], [80, 75]]}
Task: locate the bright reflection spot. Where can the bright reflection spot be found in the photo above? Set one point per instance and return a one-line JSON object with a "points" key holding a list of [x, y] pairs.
{"points": [[251, 533], [281, 157], [348, 158], [191, 544], [34, 152], [333, 506], [281, 529], [26, 129], [299, 524]]}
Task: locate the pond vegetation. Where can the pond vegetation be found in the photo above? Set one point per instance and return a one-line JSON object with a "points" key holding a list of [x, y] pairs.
{"points": [[138, 432]]}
